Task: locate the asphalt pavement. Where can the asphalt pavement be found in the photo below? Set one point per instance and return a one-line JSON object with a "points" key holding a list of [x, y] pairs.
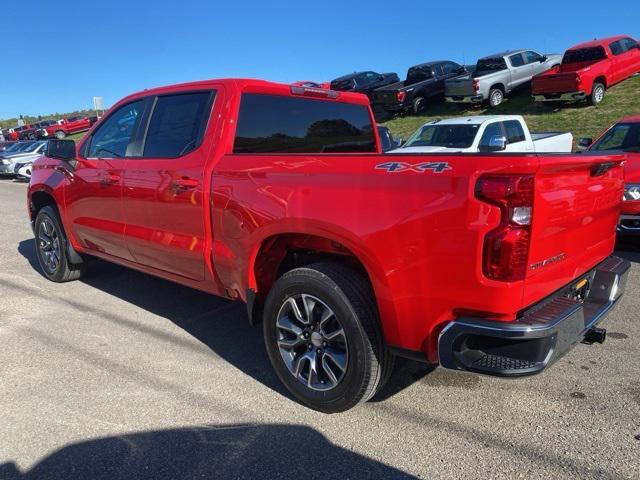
{"points": [[122, 375]]}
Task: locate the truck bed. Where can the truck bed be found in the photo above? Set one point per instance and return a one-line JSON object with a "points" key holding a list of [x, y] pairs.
{"points": [[552, 142]]}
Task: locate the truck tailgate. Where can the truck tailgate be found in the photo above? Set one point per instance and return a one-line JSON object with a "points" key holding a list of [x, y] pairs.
{"points": [[459, 87], [559, 82], [575, 212]]}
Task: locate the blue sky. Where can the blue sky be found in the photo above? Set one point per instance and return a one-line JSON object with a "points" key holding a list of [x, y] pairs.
{"points": [[58, 55]]}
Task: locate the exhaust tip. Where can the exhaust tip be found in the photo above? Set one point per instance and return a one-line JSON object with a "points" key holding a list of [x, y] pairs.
{"points": [[595, 335]]}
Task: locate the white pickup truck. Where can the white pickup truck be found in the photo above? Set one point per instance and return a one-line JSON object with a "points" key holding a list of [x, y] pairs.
{"points": [[484, 133]]}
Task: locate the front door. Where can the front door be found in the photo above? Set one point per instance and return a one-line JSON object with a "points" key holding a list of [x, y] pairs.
{"points": [[94, 204], [164, 187]]}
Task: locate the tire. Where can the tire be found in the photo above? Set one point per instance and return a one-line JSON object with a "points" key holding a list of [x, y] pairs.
{"points": [[418, 105], [496, 97], [597, 94], [51, 248], [60, 134], [294, 343]]}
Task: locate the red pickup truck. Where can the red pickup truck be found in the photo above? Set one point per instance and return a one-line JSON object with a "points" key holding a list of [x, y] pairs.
{"points": [[623, 136], [279, 196], [588, 70], [67, 126]]}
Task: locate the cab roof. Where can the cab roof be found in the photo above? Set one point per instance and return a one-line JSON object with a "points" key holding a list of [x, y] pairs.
{"points": [[598, 42], [631, 119], [474, 119]]}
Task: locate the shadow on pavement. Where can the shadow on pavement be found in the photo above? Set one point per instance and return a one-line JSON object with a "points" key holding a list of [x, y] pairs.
{"points": [[220, 324], [227, 451], [628, 247]]}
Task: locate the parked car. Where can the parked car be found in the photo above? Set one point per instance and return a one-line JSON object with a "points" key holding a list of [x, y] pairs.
{"points": [[363, 82], [33, 131], [338, 253], [387, 142], [424, 84], [22, 152], [497, 75], [67, 126], [488, 133], [22, 170], [588, 70], [623, 136]]}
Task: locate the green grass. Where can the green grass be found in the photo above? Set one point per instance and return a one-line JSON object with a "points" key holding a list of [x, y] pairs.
{"points": [[581, 119]]}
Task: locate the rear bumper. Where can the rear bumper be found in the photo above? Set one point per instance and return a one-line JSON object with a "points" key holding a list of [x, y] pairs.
{"points": [[464, 98], [560, 97], [542, 335]]}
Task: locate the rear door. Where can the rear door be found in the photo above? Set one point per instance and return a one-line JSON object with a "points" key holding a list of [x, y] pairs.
{"points": [[94, 204], [164, 186]]}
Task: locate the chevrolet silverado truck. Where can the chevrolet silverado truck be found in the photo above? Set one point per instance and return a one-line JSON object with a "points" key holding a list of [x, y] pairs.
{"points": [[67, 126], [588, 70], [484, 133], [424, 84], [279, 196], [623, 136], [497, 75]]}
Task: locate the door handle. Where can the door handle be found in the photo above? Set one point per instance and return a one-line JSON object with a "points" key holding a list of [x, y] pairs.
{"points": [[110, 179], [185, 183]]}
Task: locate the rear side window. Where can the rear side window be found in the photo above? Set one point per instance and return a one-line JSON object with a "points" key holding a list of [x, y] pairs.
{"points": [[280, 124], [516, 60], [177, 124], [112, 138], [514, 131], [418, 74], [592, 54]]}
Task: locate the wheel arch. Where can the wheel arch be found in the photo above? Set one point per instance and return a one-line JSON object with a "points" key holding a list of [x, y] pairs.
{"points": [[498, 85], [600, 79]]}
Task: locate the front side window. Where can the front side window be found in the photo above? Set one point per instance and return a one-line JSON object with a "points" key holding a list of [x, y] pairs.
{"points": [[282, 124], [448, 136], [624, 136], [516, 60], [532, 57], [492, 130], [112, 137], [514, 131], [177, 124], [629, 44]]}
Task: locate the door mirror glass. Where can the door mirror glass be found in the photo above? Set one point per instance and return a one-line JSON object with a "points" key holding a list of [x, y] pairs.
{"points": [[497, 143], [61, 149]]}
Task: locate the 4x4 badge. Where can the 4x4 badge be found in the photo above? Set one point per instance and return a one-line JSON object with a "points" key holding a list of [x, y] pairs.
{"points": [[435, 167]]}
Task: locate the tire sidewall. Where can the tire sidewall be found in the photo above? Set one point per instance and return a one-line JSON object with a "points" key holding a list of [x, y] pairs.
{"points": [[60, 135], [493, 94], [418, 105], [312, 283], [594, 94], [51, 214]]}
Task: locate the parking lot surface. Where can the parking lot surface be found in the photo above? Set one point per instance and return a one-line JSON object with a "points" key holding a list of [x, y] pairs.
{"points": [[122, 375]]}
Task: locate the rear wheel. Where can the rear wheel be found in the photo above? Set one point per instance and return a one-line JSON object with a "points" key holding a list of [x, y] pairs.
{"points": [[597, 93], [323, 338], [496, 97], [51, 248], [418, 105], [60, 134]]}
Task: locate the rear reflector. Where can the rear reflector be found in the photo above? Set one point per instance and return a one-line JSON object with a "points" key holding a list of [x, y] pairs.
{"points": [[314, 92], [506, 248]]}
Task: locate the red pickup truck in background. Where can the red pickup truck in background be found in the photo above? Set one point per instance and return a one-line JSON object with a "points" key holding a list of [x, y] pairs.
{"points": [[67, 126], [588, 69], [279, 196], [623, 136]]}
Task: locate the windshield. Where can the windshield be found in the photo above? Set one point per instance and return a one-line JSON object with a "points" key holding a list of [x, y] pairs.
{"points": [[449, 136], [14, 147], [584, 55], [491, 65], [623, 136]]}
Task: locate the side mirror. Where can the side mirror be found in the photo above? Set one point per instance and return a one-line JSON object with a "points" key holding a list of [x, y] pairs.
{"points": [[544, 59], [497, 143], [61, 149], [584, 143]]}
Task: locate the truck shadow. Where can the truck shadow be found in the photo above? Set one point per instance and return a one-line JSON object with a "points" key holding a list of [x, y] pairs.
{"points": [[216, 451], [220, 324]]}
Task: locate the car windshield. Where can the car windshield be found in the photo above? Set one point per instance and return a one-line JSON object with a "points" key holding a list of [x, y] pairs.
{"points": [[623, 136], [14, 147], [449, 136], [491, 65], [584, 55]]}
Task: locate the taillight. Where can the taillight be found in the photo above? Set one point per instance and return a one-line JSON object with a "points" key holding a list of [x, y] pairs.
{"points": [[506, 248], [476, 85], [401, 96]]}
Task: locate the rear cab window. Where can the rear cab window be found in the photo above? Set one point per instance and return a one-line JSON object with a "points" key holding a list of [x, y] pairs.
{"points": [[273, 124], [491, 64], [592, 54]]}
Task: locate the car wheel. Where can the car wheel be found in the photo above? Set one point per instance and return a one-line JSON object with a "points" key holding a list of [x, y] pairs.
{"points": [[496, 96], [597, 94], [51, 248], [419, 105], [60, 134], [322, 334]]}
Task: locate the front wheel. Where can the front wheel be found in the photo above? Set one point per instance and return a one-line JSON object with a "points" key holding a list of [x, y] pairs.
{"points": [[597, 94], [323, 337], [51, 248]]}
